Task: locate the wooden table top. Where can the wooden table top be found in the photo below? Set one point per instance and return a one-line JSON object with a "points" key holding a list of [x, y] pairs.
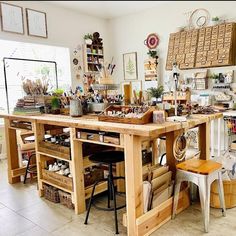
{"points": [[91, 122]]}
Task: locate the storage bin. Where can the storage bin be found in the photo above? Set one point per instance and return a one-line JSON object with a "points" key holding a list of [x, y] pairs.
{"points": [[51, 193], [229, 192], [65, 199]]}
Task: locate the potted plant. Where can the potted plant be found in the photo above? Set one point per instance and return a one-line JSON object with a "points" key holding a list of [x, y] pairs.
{"points": [[55, 105], [214, 77], [215, 20], [156, 94], [88, 38]]}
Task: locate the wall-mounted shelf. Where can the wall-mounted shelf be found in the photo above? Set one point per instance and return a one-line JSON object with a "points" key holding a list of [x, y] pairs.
{"points": [[93, 57]]}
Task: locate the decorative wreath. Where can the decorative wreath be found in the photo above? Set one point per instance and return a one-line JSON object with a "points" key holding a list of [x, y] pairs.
{"points": [[152, 41], [199, 18]]}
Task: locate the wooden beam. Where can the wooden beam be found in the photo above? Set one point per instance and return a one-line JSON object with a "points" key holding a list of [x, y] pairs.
{"points": [[134, 182], [77, 168], [204, 140], [39, 136], [12, 151]]}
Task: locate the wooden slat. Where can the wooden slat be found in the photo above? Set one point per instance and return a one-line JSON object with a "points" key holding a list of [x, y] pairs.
{"points": [[77, 173], [204, 167], [99, 189], [155, 218], [134, 182], [204, 140], [12, 152]]}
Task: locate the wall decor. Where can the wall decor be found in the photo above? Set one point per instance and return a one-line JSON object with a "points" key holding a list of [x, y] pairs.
{"points": [[150, 69], [36, 23], [152, 41], [12, 18], [211, 46], [130, 66], [136, 85], [199, 18]]}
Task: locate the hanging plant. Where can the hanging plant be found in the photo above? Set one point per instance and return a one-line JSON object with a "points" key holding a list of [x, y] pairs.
{"points": [[152, 54]]}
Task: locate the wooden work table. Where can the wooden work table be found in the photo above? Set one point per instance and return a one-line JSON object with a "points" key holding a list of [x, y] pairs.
{"points": [[137, 222]]}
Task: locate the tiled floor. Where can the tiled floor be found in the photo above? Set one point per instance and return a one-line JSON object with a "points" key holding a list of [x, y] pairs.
{"points": [[23, 213]]}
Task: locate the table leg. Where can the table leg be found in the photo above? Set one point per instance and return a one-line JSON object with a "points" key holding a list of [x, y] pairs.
{"points": [[77, 165], [12, 151], [39, 136], [212, 138], [134, 181], [219, 137], [204, 140]]}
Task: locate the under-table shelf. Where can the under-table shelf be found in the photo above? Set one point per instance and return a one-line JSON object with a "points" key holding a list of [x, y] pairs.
{"points": [[97, 142], [56, 186], [53, 156]]}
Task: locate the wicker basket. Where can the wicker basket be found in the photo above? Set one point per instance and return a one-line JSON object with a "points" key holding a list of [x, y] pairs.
{"points": [[229, 193], [65, 199], [51, 193]]}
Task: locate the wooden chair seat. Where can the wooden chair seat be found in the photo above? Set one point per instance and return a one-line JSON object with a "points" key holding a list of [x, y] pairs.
{"points": [[204, 167]]}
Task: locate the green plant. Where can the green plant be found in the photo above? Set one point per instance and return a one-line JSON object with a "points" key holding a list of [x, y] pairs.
{"points": [[152, 54], [88, 36], [214, 76], [156, 92], [55, 103], [216, 18], [58, 92]]}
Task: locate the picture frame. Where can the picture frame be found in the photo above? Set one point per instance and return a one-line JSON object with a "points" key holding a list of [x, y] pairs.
{"points": [[11, 18], [130, 66], [36, 23]]}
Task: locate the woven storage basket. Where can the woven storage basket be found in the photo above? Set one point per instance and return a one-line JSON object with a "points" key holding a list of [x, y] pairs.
{"points": [[229, 193], [51, 193], [65, 199]]}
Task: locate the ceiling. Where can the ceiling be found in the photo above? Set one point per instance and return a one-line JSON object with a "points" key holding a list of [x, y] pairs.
{"points": [[108, 9]]}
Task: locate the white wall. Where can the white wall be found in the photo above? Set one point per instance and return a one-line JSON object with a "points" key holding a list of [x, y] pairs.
{"points": [[128, 33], [65, 28]]}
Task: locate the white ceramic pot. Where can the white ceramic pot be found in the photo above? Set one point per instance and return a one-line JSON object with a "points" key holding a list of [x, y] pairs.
{"points": [[88, 41]]}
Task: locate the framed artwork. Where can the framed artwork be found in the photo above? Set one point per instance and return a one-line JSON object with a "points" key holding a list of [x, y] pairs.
{"points": [[136, 85], [130, 66], [12, 18], [36, 23]]}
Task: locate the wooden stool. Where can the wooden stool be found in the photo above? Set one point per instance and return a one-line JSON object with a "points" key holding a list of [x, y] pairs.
{"points": [[202, 173]]}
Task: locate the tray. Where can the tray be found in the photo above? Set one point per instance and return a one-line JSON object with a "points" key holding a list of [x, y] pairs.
{"points": [[146, 118]]}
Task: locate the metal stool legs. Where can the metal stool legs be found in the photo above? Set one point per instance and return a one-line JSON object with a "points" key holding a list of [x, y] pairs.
{"points": [[111, 196], [30, 169], [204, 184], [90, 203], [221, 193]]}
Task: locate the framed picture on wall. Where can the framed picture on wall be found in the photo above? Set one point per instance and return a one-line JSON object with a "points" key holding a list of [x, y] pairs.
{"points": [[130, 66], [12, 18], [36, 23]]}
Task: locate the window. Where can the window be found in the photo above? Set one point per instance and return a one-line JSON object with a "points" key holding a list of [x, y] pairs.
{"points": [[18, 69]]}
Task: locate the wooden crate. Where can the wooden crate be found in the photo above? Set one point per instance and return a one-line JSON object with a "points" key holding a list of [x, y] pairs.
{"points": [[146, 118], [59, 180], [229, 193], [111, 139], [55, 150], [155, 218], [21, 124]]}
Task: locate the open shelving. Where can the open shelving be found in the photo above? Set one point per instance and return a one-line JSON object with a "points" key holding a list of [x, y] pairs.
{"points": [[93, 57]]}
